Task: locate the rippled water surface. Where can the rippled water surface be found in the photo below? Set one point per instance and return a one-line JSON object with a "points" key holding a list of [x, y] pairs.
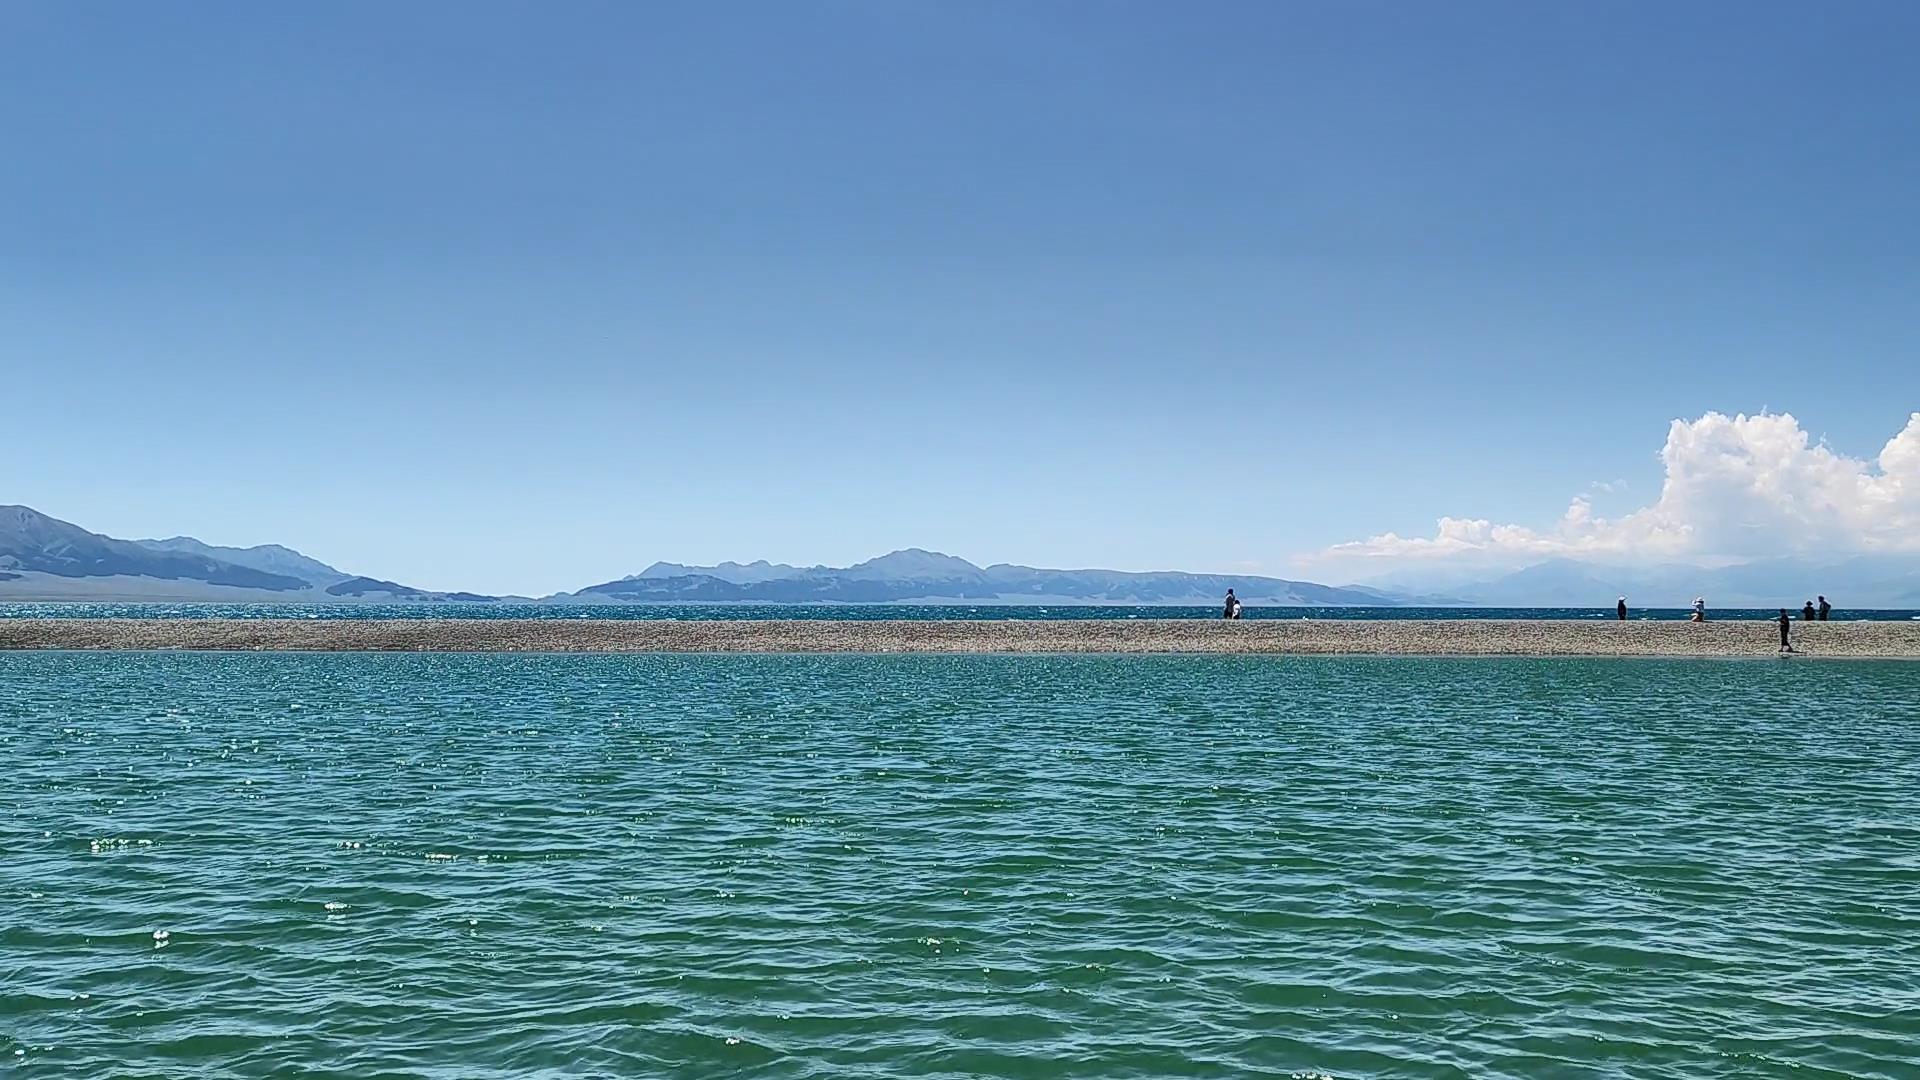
{"points": [[539, 866]]}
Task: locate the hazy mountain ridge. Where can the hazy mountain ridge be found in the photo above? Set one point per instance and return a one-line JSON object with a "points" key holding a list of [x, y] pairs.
{"points": [[1861, 581], [916, 574], [737, 573], [269, 558]]}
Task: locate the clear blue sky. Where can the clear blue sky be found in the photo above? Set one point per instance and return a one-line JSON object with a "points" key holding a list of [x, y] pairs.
{"points": [[523, 297]]}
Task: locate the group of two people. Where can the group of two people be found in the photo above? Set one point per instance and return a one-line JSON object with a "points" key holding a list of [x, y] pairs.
{"points": [[1697, 614], [1699, 609]]}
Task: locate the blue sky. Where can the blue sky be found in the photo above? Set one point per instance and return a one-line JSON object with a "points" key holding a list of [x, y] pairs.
{"points": [[517, 297]]}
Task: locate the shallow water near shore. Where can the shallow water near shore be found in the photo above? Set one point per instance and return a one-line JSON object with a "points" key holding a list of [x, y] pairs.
{"points": [[455, 865]]}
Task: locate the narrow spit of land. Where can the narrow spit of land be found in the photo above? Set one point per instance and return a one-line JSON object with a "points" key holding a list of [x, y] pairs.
{"points": [[1448, 637]]}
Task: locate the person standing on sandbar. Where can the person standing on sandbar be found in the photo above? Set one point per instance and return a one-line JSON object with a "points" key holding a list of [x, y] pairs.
{"points": [[1786, 624], [1620, 609]]}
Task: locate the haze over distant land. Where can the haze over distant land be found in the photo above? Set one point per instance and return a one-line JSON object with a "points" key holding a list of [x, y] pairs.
{"points": [[924, 576], [43, 558]]}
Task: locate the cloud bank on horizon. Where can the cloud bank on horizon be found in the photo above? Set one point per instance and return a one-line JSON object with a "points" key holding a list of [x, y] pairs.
{"points": [[1737, 488]]}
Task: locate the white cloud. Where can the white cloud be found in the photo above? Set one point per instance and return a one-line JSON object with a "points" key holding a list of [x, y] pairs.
{"points": [[1736, 488]]}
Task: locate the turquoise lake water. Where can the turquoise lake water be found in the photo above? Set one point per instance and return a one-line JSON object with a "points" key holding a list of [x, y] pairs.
{"points": [[461, 866]]}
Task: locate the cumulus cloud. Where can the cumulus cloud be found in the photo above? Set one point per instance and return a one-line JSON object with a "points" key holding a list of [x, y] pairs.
{"points": [[1737, 487]]}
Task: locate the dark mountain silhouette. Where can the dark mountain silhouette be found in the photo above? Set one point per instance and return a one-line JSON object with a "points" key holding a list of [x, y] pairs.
{"points": [[366, 588]]}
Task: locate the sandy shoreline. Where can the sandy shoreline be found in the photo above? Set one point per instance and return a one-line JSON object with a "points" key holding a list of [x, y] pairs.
{"points": [[1440, 637]]}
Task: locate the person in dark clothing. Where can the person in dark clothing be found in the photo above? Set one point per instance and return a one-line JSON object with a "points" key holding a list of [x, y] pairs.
{"points": [[1806, 613], [1786, 621], [1233, 606], [1620, 609], [1826, 609]]}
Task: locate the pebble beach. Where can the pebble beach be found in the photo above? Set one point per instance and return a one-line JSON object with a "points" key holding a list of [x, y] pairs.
{"points": [[1454, 637]]}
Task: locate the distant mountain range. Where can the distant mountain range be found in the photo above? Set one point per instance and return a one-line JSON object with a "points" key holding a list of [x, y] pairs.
{"points": [[44, 558], [922, 576]]}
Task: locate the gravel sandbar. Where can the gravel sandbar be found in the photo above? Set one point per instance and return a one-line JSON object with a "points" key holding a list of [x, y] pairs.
{"points": [[1429, 637]]}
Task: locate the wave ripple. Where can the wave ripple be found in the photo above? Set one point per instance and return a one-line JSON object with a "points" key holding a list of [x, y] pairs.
{"points": [[1030, 866]]}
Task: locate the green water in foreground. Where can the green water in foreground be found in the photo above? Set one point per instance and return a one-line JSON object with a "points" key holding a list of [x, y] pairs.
{"points": [[530, 866]]}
